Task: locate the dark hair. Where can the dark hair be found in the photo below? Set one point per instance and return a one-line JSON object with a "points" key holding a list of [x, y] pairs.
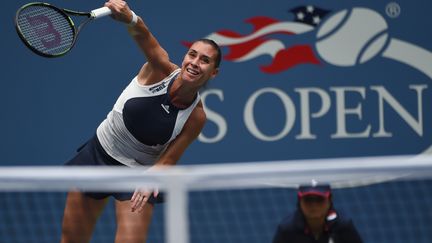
{"points": [[216, 47]]}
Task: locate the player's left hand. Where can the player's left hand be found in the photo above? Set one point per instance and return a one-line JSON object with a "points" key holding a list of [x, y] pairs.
{"points": [[120, 10], [140, 198]]}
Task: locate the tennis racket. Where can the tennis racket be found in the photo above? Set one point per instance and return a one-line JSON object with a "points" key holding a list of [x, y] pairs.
{"points": [[49, 31]]}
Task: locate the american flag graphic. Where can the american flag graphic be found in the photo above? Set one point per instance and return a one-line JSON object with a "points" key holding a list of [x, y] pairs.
{"points": [[262, 40]]}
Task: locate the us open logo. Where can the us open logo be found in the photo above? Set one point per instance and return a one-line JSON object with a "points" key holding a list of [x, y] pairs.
{"points": [[348, 38]]}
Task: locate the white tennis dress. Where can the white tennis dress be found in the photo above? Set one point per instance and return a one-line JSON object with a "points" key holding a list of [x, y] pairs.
{"points": [[143, 122]]}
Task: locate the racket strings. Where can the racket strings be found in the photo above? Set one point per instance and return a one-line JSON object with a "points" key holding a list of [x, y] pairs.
{"points": [[46, 29]]}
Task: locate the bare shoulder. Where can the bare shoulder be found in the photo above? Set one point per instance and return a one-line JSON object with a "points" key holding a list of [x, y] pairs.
{"points": [[151, 74], [199, 112], [196, 120]]}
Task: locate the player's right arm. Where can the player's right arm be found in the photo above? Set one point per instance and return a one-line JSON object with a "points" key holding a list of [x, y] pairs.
{"points": [[158, 64], [157, 57]]}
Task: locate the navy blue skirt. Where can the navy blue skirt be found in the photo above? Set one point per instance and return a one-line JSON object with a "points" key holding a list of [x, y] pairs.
{"points": [[92, 154]]}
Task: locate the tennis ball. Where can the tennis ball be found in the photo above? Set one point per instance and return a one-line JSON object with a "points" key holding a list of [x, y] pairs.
{"points": [[348, 38]]}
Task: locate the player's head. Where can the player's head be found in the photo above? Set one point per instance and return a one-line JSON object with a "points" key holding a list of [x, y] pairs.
{"points": [[315, 200], [201, 62], [218, 57]]}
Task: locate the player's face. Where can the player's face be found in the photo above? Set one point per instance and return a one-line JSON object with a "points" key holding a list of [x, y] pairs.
{"points": [[199, 63], [315, 207]]}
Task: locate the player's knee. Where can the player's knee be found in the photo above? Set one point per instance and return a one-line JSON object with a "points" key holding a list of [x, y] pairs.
{"points": [[72, 234], [131, 232], [130, 237]]}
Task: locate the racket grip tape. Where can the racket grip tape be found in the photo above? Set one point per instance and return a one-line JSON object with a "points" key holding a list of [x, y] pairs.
{"points": [[100, 12]]}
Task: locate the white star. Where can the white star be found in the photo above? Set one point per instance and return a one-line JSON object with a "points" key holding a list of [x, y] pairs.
{"points": [[310, 9], [300, 15], [316, 19]]}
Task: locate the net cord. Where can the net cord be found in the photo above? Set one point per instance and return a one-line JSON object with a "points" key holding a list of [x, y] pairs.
{"points": [[340, 172]]}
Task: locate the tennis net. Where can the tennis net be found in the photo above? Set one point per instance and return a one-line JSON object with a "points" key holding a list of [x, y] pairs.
{"points": [[388, 198]]}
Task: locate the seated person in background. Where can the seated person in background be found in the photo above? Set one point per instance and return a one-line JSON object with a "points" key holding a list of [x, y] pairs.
{"points": [[316, 220]]}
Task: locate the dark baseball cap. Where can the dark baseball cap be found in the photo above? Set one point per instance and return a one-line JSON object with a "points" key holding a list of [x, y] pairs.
{"points": [[322, 190]]}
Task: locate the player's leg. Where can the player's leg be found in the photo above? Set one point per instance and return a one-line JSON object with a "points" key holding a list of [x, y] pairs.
{"points": [[80, 216], [132, 227]]}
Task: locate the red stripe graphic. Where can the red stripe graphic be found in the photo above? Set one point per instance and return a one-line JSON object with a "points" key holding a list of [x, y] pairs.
{"points": [[264, 41], [288, 58]]}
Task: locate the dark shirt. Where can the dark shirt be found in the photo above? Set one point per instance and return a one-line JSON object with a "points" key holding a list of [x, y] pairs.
{"points": [[293, 229]]}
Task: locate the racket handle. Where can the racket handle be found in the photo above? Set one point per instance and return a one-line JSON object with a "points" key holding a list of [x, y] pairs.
{"points": [[100, 12]]}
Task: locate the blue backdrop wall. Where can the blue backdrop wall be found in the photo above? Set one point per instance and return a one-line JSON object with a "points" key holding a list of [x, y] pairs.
{"points": [[299, 79], [323, 102]]}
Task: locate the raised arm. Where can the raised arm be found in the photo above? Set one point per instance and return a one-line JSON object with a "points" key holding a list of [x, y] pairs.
{"points": [[157, 58]]}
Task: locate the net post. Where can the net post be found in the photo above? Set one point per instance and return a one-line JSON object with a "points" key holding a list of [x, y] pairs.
{"points": [[176, 211]]}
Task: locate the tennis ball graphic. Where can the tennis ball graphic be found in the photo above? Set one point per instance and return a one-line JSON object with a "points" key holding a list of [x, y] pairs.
{"points": [[349, 38]]}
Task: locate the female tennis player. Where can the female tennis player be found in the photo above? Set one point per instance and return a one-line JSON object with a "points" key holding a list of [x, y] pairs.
{"points": [[156, 117]]}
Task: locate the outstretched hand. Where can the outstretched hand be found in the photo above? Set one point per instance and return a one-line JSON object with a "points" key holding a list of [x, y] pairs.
{"points": [[141, 197], [120, 10]]}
